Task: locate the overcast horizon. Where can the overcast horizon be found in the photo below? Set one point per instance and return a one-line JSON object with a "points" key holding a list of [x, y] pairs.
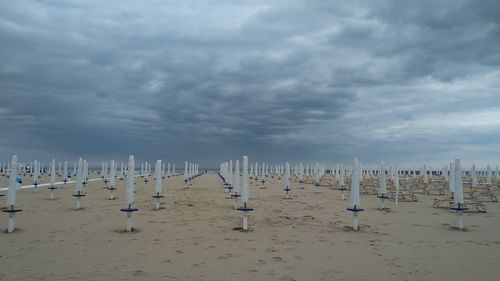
{"points": [[312, 81]]}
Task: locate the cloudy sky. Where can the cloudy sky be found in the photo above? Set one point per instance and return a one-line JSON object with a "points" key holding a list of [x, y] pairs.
{"points": [[400, 81]]}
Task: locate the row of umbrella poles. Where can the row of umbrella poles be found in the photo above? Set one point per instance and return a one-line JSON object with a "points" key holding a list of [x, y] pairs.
{"points": [[81, 181], [230, 179], [79, 194]]}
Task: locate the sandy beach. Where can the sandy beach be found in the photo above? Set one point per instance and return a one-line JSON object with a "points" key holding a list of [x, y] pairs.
{"points": [[374, 124], [193, 237]]}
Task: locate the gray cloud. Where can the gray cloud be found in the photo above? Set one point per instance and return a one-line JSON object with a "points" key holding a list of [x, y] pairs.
{"points": [[397, 81]]}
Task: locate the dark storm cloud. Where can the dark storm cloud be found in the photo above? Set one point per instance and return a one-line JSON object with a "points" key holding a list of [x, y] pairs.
{"points": [[276, 80]]}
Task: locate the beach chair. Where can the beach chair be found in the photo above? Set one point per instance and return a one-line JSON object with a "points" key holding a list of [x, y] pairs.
{"points": [[442, 201], [403, 196], [369, 190], [327, 181], [438, 186], [481, 194], [479, 206]]}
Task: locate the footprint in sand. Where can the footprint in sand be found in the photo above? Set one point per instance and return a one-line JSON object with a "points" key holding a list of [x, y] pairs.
{"points": [[271, 250], [278, 259], [170, 277], [138, 273], [231, 239], [332, 271], [392, 264], [226, 256]]}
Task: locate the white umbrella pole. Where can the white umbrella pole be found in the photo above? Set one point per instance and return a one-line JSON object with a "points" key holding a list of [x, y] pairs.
{"points": [[36, 170], [245, 195], [130, 193], [11, 196], [396, 183], [65, 172], [459, 220], [245, 222], [158, 184], [53, 177], [112, 180], [236, 181], [12, 222], [79, 183], [355, 224], [354, 197], [397, 195], [458, 197], [129, 221], [287, 180], [341, 182], [157, 204], [382, 186]]}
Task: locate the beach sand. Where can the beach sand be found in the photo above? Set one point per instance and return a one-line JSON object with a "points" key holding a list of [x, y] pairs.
{"points": [[193, 237]]}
